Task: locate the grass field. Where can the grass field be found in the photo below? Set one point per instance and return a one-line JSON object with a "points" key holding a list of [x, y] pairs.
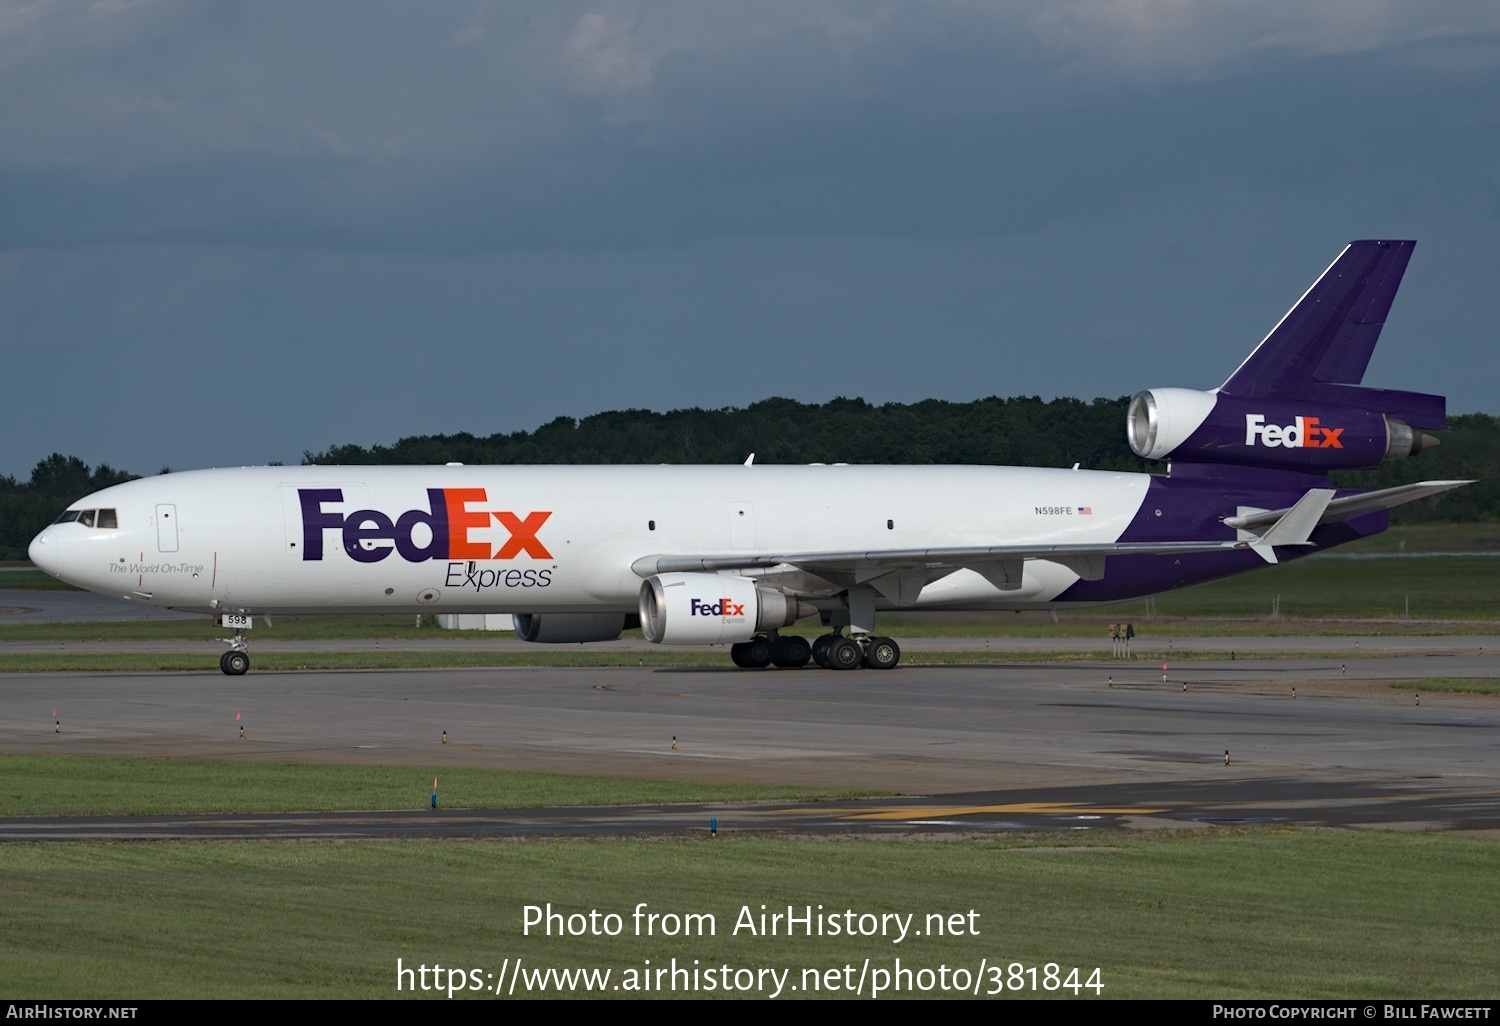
{"points": [[1219, 913], [26, 578], [1228, 913], [70, 785], [1455, 685]]}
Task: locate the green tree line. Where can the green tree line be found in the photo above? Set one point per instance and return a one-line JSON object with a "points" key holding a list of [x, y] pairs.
{"points": [[28, 506], [1020, 431]]}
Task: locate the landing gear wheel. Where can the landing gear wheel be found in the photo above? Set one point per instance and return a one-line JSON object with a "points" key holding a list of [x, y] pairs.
{"points": [[882, 654], [754, 654], [790, 652], [234, 663], [844, 654], [820, 649]]}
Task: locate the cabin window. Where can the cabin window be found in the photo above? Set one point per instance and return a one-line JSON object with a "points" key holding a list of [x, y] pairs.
{"points": [[651, 525]]}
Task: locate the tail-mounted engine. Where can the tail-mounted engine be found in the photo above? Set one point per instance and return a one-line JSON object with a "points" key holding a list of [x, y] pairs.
{"points": [[1209, 427], [708, 609]]}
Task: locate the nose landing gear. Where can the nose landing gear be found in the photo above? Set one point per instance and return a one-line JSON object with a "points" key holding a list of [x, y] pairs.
{"points": [[236, 661]]}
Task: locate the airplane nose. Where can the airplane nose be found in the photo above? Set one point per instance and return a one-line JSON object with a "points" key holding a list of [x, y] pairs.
{"points": [[43, 553]]}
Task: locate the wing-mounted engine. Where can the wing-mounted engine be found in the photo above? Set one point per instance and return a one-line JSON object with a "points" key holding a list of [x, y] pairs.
{"points": [[571, 628], [708, 609], [1313, 435]]}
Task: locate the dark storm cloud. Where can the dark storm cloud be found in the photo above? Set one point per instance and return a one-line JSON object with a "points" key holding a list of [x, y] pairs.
{"points": [[396, 128], [244, 203]]}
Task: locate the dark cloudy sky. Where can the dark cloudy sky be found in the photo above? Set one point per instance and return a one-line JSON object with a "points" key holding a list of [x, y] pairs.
{"points": [[232, 232]]}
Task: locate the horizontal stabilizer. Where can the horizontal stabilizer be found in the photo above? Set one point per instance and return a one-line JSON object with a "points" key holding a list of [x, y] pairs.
{"points": [[1295, 526], [1351, 506]]}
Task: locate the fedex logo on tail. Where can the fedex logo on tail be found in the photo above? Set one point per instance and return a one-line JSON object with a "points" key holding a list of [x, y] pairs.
{"points": [[1306, 433], [449, 524], [723, 607]]}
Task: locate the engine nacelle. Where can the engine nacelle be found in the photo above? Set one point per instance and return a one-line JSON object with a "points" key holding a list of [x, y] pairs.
{"points": [[571, 628], [1207, 427], [709, 609]]}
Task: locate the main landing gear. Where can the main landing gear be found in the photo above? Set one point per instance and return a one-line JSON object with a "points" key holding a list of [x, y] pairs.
{"points": [[767, 649], [835, 650], [831, 651], [841, 652]]}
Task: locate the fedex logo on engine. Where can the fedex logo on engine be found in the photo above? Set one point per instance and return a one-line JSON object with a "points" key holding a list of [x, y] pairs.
{"points": [[723, 607], [1306, 433], [446, 529]]}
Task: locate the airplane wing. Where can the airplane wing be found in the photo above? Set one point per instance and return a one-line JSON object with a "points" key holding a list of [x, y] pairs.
{"points": [[900, 574], [899, 559]]}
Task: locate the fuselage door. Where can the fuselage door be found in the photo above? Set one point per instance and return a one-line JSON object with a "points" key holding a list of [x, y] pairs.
{"points": [[166, 527]]}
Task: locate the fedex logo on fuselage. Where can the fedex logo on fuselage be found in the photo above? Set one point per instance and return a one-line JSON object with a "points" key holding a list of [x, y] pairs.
{"points": [[1306, 433], [449, 523], [723, 607]]}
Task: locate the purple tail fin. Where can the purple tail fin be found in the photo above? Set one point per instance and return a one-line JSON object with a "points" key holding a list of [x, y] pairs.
{"points": [[1320, 349], [1296, 403]]}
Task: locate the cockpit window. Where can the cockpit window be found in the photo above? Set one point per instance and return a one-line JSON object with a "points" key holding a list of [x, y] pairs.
{"points": [[106, 519]]}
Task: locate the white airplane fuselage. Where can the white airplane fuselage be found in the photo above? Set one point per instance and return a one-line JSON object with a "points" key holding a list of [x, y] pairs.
{"points": [[522, 539]]}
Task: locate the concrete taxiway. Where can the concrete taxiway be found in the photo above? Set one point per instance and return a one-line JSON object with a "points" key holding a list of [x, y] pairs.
{"points": [[991, 747], [1344, 736]]}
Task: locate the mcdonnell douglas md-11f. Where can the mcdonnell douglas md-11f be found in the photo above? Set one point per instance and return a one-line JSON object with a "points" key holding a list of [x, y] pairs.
{"points": [[712, 555]]}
